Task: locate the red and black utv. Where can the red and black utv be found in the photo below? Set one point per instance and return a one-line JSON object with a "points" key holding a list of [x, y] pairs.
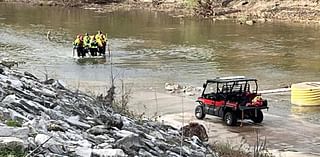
{"points": [[231, 98]]}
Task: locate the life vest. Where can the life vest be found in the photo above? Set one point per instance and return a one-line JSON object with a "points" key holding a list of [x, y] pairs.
{"points": [[103, 38], [86, 41], [78, 42], [100, 42], [93, 43], [97, 37]]}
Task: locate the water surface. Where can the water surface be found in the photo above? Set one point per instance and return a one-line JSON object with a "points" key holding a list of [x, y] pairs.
{"points": [[151, 48]]}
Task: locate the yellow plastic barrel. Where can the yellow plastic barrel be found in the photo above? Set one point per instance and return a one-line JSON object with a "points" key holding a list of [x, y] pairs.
{"points": [[306, 94]]}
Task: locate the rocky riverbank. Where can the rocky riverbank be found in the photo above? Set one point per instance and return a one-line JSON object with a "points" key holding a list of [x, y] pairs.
{"points": [[262, 10], [44, 118], [240, 10]]}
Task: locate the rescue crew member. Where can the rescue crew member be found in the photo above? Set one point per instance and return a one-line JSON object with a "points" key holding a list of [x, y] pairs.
{"points": [[98, 35], [78, 44], [86, 43], [101, 39], [93, 46]]}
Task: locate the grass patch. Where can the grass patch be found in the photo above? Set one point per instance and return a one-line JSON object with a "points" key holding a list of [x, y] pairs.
{"points": [[12, 152], [227, 150], [13, 123], [190, 4]]}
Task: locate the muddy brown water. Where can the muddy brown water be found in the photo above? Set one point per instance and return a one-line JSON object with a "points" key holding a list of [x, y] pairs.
{"points": [[151, 48]]}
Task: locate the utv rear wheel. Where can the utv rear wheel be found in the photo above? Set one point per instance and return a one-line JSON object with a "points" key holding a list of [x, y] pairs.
{"points": [[257, 118], [230, 118], [199, 112]]}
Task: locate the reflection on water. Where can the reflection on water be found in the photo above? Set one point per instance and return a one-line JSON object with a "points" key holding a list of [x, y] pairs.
{"points": [[302, 110], [306, 113], [151, 48], [93, 60]]}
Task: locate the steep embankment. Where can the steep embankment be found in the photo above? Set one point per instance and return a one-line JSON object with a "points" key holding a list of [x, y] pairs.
{"points": [[44, 117], [293, 11]]}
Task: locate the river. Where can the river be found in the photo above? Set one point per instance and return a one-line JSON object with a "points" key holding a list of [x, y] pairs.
{"points": [[151, 48]]}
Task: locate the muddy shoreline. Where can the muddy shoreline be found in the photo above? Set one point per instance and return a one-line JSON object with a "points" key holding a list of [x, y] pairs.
{"points": [[243, 12], [285, 136]]}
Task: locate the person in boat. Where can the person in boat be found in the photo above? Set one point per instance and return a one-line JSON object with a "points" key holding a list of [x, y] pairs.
{"points": [[78, 45], [86, 43], [102, 42], [93, 46]]}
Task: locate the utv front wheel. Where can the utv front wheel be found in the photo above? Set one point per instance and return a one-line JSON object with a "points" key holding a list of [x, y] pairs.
{"points": [[199, 112], [258, 118], [230, 118]]}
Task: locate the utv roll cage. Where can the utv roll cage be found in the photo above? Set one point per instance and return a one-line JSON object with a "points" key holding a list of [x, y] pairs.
{"points": [[232, 85]]}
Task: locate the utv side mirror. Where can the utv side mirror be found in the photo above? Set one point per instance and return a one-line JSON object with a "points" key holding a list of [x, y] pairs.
{"points": [[204, 85]]}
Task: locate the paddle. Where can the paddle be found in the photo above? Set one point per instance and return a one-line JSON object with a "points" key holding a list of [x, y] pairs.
{"points": [[109, 53]]}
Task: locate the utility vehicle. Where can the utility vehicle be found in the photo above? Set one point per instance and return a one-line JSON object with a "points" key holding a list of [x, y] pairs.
{"points": [[231, 98]]}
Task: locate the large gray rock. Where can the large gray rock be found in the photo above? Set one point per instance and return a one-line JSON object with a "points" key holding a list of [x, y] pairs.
{"points": [[41, 138], [129, 141], [104, 146], [127, 122], [130, 144], [4, 113], [10, 99], [14, 115], [12, 143], [59, 84], [30, 75], [103, 139], [108, 153], [144, 153], [250, 22], [197, 154], [98, 130], [19, 132], [111, 121], [75, 121], [185, 151], [55, 126], [52, 145], [172, 154], [83, 151], [31, 143], [124, 133], [157, 135]]}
